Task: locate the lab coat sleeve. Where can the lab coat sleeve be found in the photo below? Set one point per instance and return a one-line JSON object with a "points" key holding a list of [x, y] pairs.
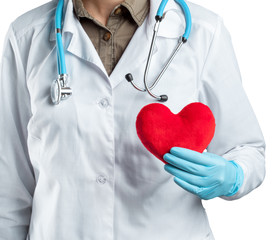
{"points": [[238, 135], [17, 180]]}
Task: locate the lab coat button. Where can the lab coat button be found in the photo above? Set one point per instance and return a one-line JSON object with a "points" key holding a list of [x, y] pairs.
{"points": [[101, 179], [104, 103]]}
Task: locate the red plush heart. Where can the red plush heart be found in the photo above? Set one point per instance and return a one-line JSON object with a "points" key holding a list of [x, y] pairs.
{"points": [[160, 130]]}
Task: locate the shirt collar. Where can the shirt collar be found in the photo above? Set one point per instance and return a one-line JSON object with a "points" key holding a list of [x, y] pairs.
{"points": [[137, 9]]}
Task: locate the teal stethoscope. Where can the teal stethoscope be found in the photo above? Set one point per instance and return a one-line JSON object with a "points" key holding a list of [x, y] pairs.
{"points": [[60, 90]]}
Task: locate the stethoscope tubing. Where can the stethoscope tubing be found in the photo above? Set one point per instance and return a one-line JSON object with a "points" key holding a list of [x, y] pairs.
{"points": [[59, 89], [183, 39], [186, 11], [65, 91], [187, 14], [59, 43], [161, 8]]}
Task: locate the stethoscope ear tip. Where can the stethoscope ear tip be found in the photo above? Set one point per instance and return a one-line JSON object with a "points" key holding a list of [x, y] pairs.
{"points": [[129, 77], [164, 98]]}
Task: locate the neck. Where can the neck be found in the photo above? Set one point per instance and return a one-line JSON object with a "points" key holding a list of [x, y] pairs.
{"points": [[100, 9]]}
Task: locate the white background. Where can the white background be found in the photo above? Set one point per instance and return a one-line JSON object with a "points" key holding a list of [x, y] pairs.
{"points": [[251, 24]]}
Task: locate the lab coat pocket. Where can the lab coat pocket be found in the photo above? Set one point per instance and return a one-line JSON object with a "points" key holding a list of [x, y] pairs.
{"points": [[55, 129]]}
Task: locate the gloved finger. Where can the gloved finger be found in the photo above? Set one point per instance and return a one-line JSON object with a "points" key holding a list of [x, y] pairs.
{"points": [[209, 154], [187, 177], [185, 165], [209, 193], [188, 187], [215, 159], [191, 156], [203, 193]]}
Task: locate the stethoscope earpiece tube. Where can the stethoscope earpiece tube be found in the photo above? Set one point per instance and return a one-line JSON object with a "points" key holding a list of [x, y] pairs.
{"points": [[182, 39]]}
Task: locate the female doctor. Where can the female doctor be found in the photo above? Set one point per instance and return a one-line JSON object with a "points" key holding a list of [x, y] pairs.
{"points": [[77, 170]]}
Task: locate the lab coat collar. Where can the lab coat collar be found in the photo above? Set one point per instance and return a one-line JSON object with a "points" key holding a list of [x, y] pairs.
{"points": [[78, 43]]}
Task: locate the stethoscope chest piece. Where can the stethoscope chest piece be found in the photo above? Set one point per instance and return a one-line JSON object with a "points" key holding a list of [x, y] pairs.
{"points": [[59, 90]]}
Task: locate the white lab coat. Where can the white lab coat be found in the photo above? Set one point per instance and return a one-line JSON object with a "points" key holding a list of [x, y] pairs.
{"points": [[77, 170]]}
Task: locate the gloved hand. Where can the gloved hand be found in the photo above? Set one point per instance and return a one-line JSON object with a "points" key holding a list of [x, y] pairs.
{"points": [[205, 174]]}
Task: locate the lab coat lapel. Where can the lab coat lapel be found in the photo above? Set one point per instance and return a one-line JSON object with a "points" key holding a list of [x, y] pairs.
{"points": [[75, 39], [136, 53]]}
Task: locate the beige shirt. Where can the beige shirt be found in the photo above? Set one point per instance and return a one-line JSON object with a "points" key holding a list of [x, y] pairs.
{"points": [[111, 40]]}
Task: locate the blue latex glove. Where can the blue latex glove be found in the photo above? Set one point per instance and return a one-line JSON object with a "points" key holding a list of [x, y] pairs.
{"points": [[205, 174]]}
